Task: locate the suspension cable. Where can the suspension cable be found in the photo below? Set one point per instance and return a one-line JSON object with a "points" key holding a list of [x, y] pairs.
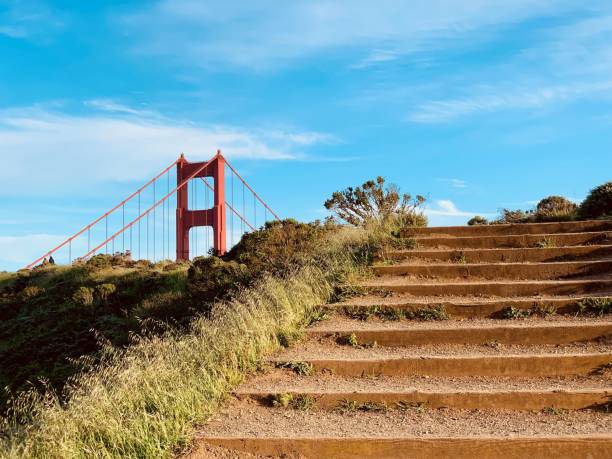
{"points": [[139, 231], [99, 219], [123, 224], [230, 207], [146, 212], [154, 221], [169, 207], [232, 215], [252, 190]]}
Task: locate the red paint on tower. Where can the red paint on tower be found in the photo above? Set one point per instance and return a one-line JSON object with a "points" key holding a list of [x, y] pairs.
{"points": [[214, 217]]}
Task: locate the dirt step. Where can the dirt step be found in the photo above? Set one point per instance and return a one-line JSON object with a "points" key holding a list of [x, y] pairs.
{"points": [[384, 286], [559, 447], [514, 229], [526, 240], [282, 380], [411, 432], [536, 271], [458, 307], [518, 400], [528, 365], [507, 255], [464, 333]]}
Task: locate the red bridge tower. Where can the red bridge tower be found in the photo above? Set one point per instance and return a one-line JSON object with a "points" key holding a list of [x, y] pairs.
{"points": [[214, 217]]}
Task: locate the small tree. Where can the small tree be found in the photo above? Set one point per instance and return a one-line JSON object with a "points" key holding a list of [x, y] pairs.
{"points": [[375, 201]]}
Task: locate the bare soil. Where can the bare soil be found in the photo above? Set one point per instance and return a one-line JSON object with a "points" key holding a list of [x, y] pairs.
{"points": [[328, 349], [247, 419], [340, 323], [279, 381]]}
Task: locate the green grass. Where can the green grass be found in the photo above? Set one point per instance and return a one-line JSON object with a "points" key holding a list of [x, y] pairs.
{"points": [[298, 367], [144, 400], [51, 317], [594, 306], [390, 313], [302, 402]]}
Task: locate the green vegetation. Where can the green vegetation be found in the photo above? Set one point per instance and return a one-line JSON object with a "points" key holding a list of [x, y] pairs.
{"points": [[594, 306], [349, 340], [546, 243], [176, 340], [459, 257], [553, 411], [301, 402], [598, 203], [435, 312], [376, 204], [115, 358], [555, 208], [513, 312], [52, 316], [477, 220], [298, 367]]}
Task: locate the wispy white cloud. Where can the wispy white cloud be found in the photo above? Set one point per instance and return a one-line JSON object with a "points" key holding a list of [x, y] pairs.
{"points": [[268, 34], [447, 208], [57, 151], [457, 183], [566, 63], [376, 57], [454, 182], [112, 106], [496, 99], [35, 20]]}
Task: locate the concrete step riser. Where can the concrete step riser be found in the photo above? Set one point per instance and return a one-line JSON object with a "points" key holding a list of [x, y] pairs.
{"points": [[519, 366], [499, 400], [537, 271], [494, 230], [502, 335], [524, 255], [479, 310], [495, 242], [427, 447], [498, 288]]}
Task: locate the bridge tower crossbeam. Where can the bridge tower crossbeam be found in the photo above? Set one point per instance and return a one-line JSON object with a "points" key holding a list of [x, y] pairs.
{"points": [[214, 217]]}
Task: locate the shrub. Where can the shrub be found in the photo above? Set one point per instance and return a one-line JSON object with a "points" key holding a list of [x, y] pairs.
{"points": [[210, 278], [598, 203], [83, 296], [477, 220], [374, 201], [279, 246], [555, 208], [31, 292], [99, 262], [412, 218], [513, 216], [104, 291]]}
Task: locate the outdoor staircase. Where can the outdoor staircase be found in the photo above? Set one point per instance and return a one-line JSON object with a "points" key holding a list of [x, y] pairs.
{"points": [[370, 383]]}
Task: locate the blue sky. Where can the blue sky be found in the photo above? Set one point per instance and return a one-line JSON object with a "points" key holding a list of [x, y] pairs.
{"points": [[476, 104]]}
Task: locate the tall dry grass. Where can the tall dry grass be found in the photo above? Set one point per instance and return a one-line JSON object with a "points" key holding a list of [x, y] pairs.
{"points": [[144, 401]]}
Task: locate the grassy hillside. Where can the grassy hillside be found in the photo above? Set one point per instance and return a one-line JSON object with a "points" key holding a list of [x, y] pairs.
{"points": [[45, 328], [141, 352]]}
